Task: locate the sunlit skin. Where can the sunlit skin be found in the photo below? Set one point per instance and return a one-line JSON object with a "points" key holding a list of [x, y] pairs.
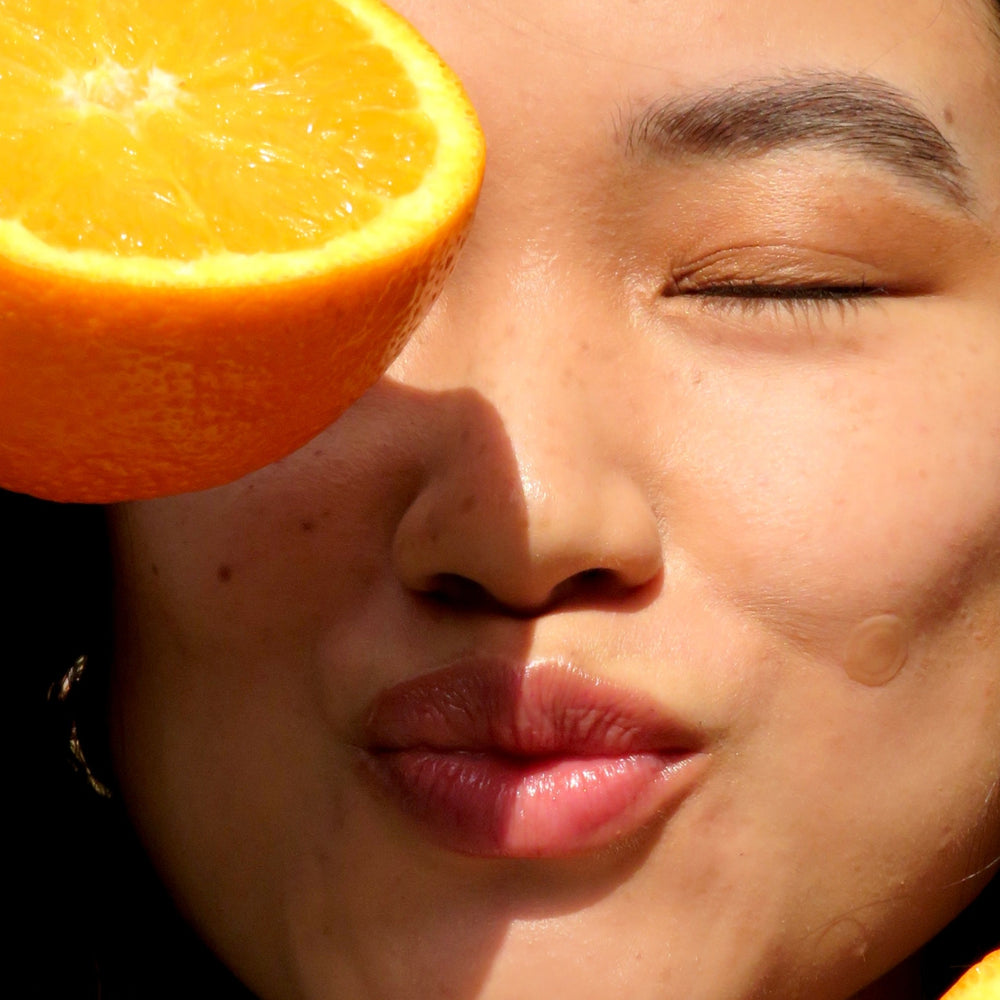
{"points": [[780, 520]]}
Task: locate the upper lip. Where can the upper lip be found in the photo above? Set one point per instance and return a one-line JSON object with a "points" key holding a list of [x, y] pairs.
{"points": [[534, 710]]}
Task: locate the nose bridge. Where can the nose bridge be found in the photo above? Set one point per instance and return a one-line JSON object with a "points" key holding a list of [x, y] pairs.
{"points": [[529, 329], [532, 337]]}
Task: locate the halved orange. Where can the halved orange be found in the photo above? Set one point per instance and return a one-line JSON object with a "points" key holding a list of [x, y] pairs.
{"points": [[219, 222], [981, 982]]}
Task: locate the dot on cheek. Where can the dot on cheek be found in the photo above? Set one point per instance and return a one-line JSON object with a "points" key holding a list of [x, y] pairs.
{"points": [[876, 650]]}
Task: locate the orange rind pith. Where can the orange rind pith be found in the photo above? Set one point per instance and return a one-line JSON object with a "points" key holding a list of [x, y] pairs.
{"points": [[219, 223]]}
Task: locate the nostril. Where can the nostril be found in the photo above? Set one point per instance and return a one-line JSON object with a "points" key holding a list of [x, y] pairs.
{"points": [[592, 587], [588, 587], [458, 592], [590, 579]]}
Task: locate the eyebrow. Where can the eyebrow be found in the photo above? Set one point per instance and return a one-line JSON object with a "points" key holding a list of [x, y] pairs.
{"points": [[857, 115]]}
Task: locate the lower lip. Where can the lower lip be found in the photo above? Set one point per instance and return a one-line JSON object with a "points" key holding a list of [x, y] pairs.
{"points": [[489, 805]]}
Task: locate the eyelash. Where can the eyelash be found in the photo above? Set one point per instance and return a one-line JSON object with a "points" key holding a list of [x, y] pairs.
{"points": [[754, 297]]}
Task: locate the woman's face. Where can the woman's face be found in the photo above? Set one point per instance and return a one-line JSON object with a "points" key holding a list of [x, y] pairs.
{"points": [[639, 633]]}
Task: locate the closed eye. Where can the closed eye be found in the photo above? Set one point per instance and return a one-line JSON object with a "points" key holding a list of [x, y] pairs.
{"points": [[755, 296], [758, 290]]}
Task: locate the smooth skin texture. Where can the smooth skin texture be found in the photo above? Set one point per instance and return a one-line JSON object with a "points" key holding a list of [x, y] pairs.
{"points": [[597, 451]]}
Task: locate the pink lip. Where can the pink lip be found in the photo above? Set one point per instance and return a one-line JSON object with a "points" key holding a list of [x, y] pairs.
{"points": [[499, 761]]}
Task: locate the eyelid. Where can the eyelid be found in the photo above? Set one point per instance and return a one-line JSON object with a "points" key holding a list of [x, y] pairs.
{"points": [[770, 265], [753, 277]]}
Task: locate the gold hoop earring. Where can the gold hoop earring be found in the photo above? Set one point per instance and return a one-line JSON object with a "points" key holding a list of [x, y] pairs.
{"points": [[66, 694]]}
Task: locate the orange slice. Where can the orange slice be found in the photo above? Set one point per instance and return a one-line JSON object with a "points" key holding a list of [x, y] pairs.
{"points": [[219, 222], [981, 982]]}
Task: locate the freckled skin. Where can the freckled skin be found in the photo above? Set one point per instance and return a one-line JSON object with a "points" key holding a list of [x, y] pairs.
{"points": [[781, 521]]}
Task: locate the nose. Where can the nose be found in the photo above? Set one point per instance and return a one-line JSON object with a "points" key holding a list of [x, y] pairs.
{"points": [[533, 498], [474, 538]]}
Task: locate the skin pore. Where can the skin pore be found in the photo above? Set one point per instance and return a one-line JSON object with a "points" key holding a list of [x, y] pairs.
{"points": [[706, 414]]}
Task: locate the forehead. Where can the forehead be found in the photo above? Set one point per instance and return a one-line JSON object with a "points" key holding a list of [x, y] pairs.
{"points": [[561, 72], [695, 36]]}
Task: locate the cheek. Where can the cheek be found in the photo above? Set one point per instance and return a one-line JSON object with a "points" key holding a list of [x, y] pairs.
{"points": [[225, 601], [271, 560], [842, 518], [222, 719], [820, 497]]}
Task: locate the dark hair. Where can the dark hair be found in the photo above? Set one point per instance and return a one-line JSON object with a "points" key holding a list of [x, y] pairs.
{"points": [[93, 921]]}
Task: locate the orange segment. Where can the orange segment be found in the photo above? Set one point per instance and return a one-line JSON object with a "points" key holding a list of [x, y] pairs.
{"points": [[219, 221], [981, 982]]}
